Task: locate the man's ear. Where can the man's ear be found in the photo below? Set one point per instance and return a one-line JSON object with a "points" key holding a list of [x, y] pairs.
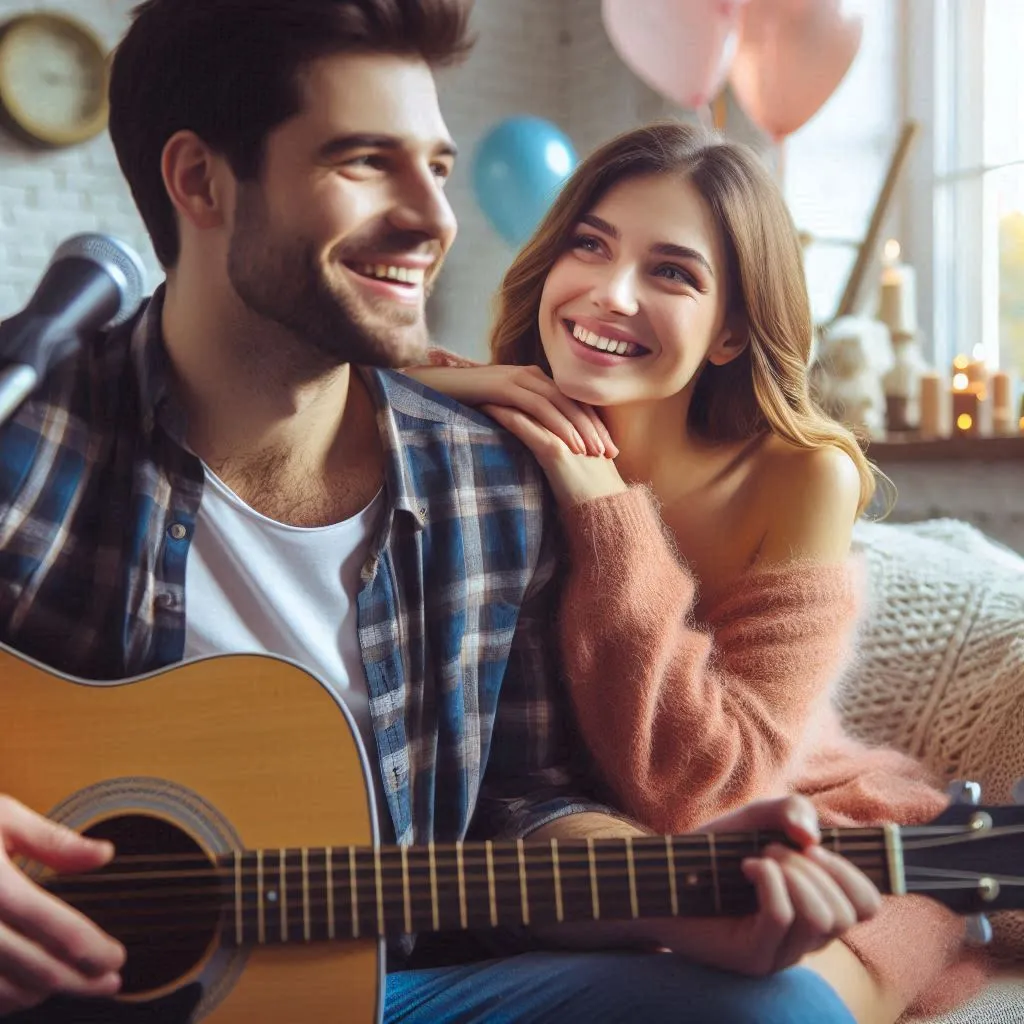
{"points": [[195, 179], [731, 341]]}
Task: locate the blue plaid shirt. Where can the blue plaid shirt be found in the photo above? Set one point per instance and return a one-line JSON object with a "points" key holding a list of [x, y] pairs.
{"points": [[98, 505]]}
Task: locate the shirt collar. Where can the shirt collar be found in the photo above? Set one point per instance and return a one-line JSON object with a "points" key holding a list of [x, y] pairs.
{"points": [[153, 371], [404, 408]]}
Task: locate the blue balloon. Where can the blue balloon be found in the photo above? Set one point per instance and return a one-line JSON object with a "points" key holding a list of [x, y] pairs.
{"points": [[518, 168]]}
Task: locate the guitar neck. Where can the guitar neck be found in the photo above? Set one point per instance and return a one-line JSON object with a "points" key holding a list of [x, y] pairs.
{"points": [[281, 896]]}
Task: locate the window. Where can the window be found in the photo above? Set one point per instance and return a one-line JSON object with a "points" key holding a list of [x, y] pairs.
{"points": [[975, 197]]}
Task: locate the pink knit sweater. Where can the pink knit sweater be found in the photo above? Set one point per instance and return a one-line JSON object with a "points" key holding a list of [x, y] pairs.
{"points": [[687, 721]]}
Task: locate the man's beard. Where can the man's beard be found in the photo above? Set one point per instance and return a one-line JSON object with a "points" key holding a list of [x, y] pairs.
{"points": [[282, 280]]}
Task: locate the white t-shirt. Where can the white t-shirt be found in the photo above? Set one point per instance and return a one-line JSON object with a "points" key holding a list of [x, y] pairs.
{"points": [[253, 585]]}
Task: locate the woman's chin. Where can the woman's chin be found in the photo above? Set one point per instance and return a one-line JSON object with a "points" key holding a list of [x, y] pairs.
{"points": [[587, 392]]}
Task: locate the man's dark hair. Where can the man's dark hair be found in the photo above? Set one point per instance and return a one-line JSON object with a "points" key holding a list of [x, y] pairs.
{"points": [[230, 70]]}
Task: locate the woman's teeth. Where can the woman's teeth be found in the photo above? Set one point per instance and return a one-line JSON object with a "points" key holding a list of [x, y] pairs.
{"points": [[404, 275], [616, 348]]}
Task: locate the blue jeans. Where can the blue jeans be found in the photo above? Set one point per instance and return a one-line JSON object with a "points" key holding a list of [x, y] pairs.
{"points": [[606, 988]]}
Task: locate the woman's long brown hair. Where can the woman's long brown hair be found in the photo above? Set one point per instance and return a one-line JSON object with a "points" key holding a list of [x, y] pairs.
{"points": [[766, 388]]}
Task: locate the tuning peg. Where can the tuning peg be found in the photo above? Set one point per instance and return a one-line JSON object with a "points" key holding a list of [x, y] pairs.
{"points": [[1018, 791], [963, 792], [979, 930]]}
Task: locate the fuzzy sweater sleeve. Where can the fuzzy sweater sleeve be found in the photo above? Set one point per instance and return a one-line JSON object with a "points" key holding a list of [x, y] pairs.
{"points": [[686, 723]]}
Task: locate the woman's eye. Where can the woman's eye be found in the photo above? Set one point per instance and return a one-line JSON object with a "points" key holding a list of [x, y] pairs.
{"points": [[673, 273], [587, 243]]}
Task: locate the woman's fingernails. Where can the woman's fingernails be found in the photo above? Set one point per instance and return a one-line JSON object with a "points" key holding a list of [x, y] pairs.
{"points": [[578, 443]]}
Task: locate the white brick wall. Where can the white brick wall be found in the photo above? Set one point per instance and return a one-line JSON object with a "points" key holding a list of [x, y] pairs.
{"points": [[47, 196]]}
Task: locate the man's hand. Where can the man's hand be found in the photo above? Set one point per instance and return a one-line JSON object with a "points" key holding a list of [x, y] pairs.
{"points": [[45, 946], [806, 897]]}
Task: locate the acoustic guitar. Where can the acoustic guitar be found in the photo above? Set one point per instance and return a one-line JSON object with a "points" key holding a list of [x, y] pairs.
{"points": [[249, 884]]}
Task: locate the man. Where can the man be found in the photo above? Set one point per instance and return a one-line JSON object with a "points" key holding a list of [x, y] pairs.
{"points": [[289, 159]]}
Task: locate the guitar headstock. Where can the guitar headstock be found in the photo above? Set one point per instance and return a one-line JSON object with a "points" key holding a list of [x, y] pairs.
{"points": [[971, 858]]}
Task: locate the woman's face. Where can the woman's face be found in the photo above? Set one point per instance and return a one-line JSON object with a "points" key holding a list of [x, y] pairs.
{"points": [[637, 302]]}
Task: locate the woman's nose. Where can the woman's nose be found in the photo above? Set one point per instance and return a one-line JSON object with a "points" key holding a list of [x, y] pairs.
{"points": [[617, 293]]}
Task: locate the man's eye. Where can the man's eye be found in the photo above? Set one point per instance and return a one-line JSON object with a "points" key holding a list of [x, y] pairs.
{"points": [[370, 160]]}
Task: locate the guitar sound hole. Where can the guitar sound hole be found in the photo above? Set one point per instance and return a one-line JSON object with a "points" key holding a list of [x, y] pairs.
{"points": [[160, 896]]}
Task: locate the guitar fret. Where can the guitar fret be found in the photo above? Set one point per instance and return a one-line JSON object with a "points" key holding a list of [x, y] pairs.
{"points": [[329, 879], [633, 903], [379, 885], [492, 901], [712, 852], [673, 892], [524, 898], [435, 913], [239, 919], [283, 878], [463, 917], [354, 890], [261, 926], [559, 909], [406, 895], [894, 859], [307, 932], [594, 896]]}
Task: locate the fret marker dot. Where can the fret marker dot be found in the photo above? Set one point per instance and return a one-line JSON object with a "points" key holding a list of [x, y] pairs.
{"points": [[691, 879], [272, 896]]}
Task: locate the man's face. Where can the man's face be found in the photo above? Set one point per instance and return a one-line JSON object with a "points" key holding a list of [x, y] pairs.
{"points": [[343, 234]]}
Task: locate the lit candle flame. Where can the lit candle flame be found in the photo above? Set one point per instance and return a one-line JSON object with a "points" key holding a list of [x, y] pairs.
{"points": [[960, 381], [891, 251], [961, 362], [964, 421]]}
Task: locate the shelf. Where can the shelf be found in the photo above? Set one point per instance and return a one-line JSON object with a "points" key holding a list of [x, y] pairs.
{"points": [[961, 449]]}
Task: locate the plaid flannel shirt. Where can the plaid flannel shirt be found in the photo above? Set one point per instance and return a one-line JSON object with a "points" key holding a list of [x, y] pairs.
{"points": [[98, 504]]}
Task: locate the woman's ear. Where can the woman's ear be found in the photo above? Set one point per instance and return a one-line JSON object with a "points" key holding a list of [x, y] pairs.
{"points": [[731, 341]]}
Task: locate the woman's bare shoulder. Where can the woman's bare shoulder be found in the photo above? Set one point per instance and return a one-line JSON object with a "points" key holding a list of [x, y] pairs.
{"points": [[807, 499]]}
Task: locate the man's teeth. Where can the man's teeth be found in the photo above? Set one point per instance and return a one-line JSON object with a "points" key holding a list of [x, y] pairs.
{"points": [[404, 275], [592, 340]]}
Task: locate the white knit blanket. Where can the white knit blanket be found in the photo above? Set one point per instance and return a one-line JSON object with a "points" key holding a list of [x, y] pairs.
{"points": [[940, 673], [941, 667]]}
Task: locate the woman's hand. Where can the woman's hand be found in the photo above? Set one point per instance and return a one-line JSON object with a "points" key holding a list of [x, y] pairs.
{"points": [[574, 478], [530, 390]]}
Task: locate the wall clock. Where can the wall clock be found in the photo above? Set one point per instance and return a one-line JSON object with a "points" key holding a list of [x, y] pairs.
{"points": [[53, 79]]}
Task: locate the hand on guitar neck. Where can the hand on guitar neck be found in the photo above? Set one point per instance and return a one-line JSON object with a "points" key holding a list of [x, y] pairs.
{"points": [[806, 895], [47, 946]]}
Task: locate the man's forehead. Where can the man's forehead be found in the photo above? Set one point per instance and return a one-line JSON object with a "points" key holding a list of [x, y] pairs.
{"points": [[374, 95]]}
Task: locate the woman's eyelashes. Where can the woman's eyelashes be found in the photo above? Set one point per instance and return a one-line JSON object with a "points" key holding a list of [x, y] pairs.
{"points": [[673, 272]]}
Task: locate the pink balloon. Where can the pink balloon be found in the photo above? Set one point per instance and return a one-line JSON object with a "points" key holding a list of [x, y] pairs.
{"points": [[790, 57], [680, 48]]}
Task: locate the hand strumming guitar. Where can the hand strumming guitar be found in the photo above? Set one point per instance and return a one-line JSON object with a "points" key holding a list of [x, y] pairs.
{"points": [[47, 947]]}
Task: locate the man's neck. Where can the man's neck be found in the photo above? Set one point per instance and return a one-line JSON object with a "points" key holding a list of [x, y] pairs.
{"points": [[295, 437]]}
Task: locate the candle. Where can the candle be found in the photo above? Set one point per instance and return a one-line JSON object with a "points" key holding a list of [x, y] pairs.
{"points": [[1001, 390], [929, 407], [965, 412], [897, 300]]}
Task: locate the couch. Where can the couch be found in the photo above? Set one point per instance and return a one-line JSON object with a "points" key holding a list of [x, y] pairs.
{"points": [[940, 675]]}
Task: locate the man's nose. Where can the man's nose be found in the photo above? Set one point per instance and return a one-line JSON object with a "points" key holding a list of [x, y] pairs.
{"points": [[423, 207]]}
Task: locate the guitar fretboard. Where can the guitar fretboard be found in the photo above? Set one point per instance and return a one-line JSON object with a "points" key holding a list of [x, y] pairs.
{"points": [[313, 895]]}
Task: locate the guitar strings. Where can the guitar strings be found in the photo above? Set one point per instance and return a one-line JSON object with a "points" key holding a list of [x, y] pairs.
{"points": [[723, 841], [642, 846]]}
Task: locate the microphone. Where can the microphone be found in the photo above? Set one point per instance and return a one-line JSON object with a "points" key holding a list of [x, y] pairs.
{"points": [[92, 281]]}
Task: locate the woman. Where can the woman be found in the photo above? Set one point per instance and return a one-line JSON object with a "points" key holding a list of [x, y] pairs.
{"points": [[710, 600]]}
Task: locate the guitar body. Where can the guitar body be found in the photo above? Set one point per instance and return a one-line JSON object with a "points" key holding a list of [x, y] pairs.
{"points": [[215, 755]]}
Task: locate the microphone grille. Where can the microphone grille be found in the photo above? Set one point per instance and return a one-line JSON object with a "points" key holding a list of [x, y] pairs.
{"points": [[119, 260]]}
